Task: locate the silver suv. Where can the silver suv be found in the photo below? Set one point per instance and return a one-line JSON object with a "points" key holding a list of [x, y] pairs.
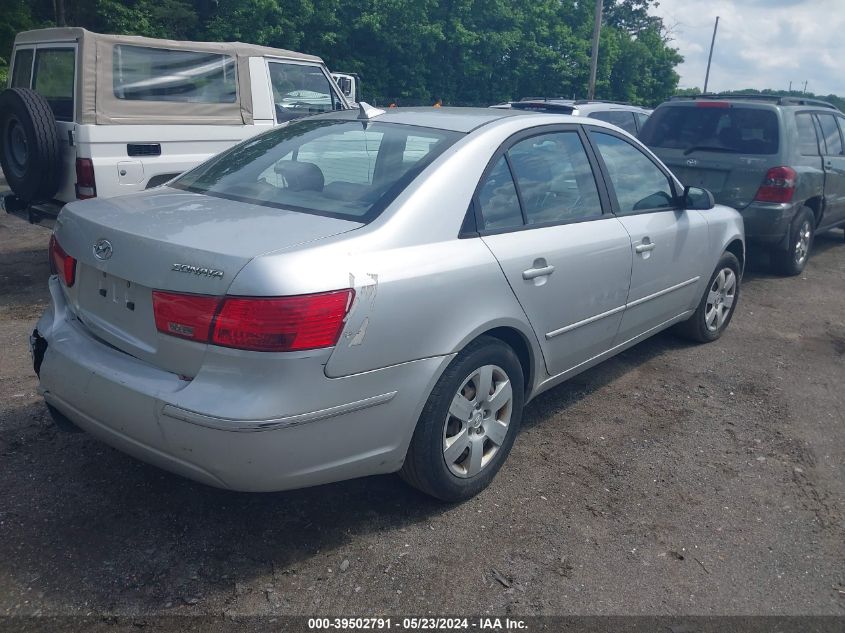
{"points": [[629, 117], [780, 161]]}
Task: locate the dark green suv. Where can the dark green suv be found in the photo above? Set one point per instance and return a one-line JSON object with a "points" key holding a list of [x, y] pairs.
{"points": [[780, 161]]}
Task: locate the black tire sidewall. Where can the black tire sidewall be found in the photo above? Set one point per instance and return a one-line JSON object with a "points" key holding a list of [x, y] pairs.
{"points": [[427, 445], [40, 176]]}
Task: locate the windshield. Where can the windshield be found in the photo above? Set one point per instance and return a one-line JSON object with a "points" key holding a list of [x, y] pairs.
{"points": [[344, 169], [713, 127]]}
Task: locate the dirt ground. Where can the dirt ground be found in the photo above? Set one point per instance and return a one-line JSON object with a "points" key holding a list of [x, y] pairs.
{"points": [[673, 479]]}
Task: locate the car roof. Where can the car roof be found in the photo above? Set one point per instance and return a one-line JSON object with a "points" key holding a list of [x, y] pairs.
{"points": [[582, 105], [771, 101], [454, 119]]}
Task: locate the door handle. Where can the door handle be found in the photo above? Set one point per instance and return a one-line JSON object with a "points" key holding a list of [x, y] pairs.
{"points": [[533, 273], [644, 248]]}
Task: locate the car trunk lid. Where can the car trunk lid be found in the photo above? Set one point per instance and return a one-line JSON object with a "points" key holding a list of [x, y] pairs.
{"points": [[168, 240], [732, 180]]}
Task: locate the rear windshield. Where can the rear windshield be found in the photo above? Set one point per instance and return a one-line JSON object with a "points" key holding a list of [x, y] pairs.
{"points": [[342, 169], [713, 127]]}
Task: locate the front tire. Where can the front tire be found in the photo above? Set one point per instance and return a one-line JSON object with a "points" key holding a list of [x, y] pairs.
{"points": [[801, 234], [718, 304], [469, 423]]}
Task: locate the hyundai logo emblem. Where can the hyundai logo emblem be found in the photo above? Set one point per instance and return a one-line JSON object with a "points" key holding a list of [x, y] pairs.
{"points": [[102, 249], [692, 162]]}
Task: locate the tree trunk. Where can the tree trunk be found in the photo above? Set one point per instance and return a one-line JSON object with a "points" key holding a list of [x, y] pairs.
{"points": [[59, 8]]}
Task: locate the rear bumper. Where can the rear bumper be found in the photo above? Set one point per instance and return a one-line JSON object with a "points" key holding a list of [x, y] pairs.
{"points": [[327, 430], [768, 224]]}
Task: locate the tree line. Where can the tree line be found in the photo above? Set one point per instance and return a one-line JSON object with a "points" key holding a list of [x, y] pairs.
{"points": [[466, 52]]}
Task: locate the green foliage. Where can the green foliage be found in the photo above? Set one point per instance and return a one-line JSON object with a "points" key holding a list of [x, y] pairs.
{"points": [[412, 51]]}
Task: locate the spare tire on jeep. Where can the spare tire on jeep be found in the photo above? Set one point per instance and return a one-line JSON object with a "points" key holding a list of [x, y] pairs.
{"points": [[30, 152]]}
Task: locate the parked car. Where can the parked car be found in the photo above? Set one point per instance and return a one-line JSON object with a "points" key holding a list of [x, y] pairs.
{"points": [[629, 117], [779, 160], [354, 294], [102, 115]]}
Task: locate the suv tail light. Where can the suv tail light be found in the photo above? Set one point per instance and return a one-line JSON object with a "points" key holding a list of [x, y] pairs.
{"points": [[261, 324], [778, 185], [86, 185], [61, 263]]}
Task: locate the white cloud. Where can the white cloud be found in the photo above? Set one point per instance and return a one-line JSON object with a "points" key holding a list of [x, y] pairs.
{"points": [[760, 43]]}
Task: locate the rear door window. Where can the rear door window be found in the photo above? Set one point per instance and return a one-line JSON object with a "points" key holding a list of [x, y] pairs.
{"points": [[830, 133], [140, 73], [555, 179], [619, 118], [54, 79], [713, 126], [808, 142], [22, 68]]}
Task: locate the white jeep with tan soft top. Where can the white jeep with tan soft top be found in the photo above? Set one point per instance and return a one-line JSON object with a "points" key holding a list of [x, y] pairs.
{"points": [[88, 115]]}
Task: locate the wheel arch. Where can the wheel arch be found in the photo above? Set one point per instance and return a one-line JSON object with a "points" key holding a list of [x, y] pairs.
{"points": [[738, 249], [816, 205], [515, 337]]}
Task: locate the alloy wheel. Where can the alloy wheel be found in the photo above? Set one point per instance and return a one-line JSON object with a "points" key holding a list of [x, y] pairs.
{"points": [[478, 419], [802, 244], [720, 299]]}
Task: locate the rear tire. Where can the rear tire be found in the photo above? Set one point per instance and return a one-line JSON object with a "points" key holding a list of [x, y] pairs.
{"points": [[469, 423], [30, 152], [717, 305], [802, 231]]}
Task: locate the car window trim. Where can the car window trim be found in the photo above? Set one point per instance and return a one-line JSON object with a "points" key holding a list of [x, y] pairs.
{"points": [[673, 184], [505, 146], [838, 128], [13, 67], [58, 46], [813, 125], [819, 133]]}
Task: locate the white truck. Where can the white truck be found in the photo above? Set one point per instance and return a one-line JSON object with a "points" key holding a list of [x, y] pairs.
{"points": [[87, 114]]}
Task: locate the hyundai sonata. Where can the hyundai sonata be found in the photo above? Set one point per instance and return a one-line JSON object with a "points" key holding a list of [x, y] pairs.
{"points": [[366, 292]]}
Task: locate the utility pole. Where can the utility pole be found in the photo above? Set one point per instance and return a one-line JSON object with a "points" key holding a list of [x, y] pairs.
{"points": [[710, 57], [594, 60], [805, 88], [790, 86]]}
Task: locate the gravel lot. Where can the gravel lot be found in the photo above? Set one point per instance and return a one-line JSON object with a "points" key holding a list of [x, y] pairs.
{"points": [[673, 479]]}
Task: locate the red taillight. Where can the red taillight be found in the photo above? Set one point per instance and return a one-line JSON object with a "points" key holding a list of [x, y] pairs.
{"points": [[86, 185], [712, 104], [185, 316], [262, 324], [61, 263], [778, 185]]}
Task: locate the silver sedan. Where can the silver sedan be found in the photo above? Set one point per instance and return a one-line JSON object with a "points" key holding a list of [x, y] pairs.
{"points": [[369, 292]]}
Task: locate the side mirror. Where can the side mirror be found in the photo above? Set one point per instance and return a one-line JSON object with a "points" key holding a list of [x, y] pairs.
{"points": [[698, 199]]}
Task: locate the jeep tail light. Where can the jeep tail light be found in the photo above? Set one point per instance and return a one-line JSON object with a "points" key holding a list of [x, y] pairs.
{"points": [[61, 263], [86, 185], [262, 324], [778, 185]]}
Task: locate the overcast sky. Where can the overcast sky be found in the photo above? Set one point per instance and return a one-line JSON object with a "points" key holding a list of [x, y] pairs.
{"points": [[760, 43]]}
